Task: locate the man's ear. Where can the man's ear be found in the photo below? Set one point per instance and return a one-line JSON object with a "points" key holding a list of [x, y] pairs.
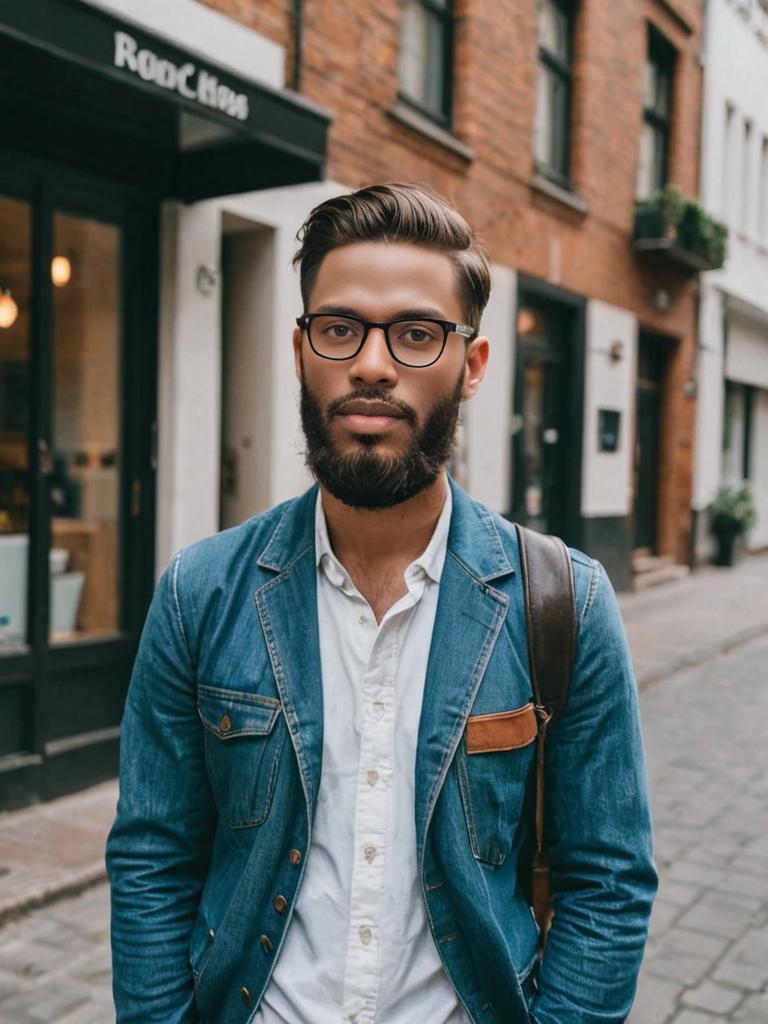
{"points": [[297, 351], [476, 361]]}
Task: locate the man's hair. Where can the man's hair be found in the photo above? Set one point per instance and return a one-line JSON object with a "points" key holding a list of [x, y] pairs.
{"points": [[396, 213]]}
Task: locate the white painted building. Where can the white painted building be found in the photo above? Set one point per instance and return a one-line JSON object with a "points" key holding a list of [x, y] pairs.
{"points": [[732, 412]]}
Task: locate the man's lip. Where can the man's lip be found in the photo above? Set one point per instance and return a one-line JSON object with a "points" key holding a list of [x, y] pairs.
{"points": [[369, 409]]}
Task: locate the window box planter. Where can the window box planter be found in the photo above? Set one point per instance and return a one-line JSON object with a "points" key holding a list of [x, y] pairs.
{"points": [[667, 223]]}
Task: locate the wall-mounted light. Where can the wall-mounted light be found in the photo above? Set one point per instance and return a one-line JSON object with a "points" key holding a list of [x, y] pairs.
{"points": [[61, 271], [616, 351], [8, 309], [206, 279]]}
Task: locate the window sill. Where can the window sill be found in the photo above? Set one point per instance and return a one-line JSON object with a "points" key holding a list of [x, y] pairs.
{"points": [[561, 195], [412, 119]]}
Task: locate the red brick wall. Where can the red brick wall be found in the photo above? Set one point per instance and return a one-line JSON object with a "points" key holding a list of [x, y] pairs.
{"points": [[350, 66]]}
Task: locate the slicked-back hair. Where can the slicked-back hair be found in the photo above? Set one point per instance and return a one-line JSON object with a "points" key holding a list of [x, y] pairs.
{"points": [[396, 213]]}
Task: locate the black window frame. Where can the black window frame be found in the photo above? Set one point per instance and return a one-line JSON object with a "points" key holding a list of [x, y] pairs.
{"points": [[661, 54], [444, 117], [554, 65]]}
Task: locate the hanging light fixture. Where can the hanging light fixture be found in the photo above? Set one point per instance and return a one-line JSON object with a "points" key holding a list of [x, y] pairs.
{"points": [[8, 309], [61, 271]]}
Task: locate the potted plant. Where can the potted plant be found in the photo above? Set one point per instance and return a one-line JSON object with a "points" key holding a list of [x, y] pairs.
{"points": [[732, 514], [668, 221]]}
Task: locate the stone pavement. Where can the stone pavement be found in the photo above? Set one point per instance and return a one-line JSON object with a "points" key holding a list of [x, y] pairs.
{"points": [[700, 647]]}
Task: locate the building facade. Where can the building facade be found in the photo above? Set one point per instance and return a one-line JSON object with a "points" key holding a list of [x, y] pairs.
{"points": [[156, 167], [732, 424]]}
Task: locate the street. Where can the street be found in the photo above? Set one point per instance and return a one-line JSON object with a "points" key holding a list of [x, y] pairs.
{"points": [[707, 958]]}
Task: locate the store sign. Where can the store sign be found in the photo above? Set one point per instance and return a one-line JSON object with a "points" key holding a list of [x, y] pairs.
{"points": [[188, 80]]}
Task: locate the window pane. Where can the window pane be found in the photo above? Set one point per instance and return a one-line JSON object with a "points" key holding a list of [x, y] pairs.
{"points": [[656, 88], [84, 486], [15, 398], [551, 128], [422, 56], [553, 29]]}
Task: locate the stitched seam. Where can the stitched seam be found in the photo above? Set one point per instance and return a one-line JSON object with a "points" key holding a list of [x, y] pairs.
{"points": [[594, 581], [240, 696], [501, 714], [490, 750], [177, 604]]}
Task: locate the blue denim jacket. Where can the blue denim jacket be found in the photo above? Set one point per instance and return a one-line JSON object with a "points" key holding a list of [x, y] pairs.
{"points": [[220, 768]]}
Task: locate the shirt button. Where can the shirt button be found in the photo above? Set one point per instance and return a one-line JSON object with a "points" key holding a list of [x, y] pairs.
{"points": [[373, 777], [245, 995], [370, 854], [362, 620], [266, 943], [295, 857], [279, 903], [365, 935]]}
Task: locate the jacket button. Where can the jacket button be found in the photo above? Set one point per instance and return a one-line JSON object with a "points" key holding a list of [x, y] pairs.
{"points": [[266, 942], [225, 724], [295, 857], [245, 995], [279, 903]]}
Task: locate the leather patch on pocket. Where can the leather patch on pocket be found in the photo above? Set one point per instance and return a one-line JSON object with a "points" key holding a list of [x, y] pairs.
{"points": [[505, 730]]}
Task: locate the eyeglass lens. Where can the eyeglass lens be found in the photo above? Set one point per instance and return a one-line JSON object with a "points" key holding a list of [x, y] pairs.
{"points": [[414, 342]]}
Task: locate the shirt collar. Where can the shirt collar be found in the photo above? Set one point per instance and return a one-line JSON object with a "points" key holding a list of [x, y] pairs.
{"points": [[430, 561]]}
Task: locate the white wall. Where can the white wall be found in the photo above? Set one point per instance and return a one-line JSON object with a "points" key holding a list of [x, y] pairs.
{"points": [[606, 483], [193, 26], [709, 397], [746, 359], [488, 416]]}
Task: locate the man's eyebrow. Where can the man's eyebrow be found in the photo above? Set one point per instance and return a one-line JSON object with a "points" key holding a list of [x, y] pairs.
{"points": [[418, 313]]}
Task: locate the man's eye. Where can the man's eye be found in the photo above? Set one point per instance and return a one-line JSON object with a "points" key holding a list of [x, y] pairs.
{"points": [[416, 334]]}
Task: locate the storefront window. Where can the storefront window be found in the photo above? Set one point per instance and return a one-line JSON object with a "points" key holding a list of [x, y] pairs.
{"points": [[84, 484], [15, 357]]}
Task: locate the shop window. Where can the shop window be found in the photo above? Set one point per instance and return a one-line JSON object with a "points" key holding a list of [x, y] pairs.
{"points": [[554, 85], [737, 433], [425, 67], [653, 168]]}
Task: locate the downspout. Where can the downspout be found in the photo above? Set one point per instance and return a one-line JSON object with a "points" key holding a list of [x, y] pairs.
{"points": [[297, 44]]}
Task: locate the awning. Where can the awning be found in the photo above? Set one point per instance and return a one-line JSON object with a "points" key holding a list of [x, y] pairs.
{"points": [[79, 85]]}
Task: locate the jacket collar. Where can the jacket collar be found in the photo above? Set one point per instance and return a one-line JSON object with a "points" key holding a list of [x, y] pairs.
{"points": [[473, 537]]}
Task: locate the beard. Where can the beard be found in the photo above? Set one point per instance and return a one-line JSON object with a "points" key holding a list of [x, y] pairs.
{"points": [[365, 477]]}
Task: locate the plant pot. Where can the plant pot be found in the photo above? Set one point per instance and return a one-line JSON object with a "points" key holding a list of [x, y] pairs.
{"points": [[726, 540]]}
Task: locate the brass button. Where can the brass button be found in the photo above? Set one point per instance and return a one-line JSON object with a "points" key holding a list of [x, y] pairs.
{"points": [[295, 857], [225, 725], [245, 995], [266, 943], [279, 903]]}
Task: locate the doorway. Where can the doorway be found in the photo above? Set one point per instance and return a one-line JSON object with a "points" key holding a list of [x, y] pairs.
{"points": [[77, 372], [650, 373]]}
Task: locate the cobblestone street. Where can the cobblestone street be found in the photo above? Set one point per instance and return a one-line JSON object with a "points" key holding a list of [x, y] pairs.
{"points": [[706, 727]]}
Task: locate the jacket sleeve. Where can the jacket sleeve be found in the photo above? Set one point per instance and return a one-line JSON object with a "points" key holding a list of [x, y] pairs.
{"points": [[598, 829], [159, 846]]}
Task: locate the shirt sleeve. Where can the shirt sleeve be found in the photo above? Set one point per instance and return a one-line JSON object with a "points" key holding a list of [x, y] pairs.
{"points": [[598, 829], [159, 846]]}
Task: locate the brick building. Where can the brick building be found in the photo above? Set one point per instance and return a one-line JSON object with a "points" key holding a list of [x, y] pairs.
{"points": [[157, 160]]}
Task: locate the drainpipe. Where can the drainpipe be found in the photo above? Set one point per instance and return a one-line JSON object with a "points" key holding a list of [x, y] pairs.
{"points": [[297, 42]]}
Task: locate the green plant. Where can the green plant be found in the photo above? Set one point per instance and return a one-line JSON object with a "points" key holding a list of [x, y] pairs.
{"points": [[733, 510], [668, 214]]}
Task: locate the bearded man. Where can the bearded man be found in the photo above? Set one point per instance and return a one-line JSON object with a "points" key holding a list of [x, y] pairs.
{"points": [[304, 835]]}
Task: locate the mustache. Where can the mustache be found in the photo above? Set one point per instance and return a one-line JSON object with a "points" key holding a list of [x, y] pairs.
{"points": [[378, 395]]}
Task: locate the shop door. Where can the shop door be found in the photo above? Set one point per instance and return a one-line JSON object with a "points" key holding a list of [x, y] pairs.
{"points": [[76, 487], [649, 376], [540, 472]]}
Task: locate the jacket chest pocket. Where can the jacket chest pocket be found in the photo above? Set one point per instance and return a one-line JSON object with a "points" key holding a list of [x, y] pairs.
{"points": [[242, 752], [493, 763]]}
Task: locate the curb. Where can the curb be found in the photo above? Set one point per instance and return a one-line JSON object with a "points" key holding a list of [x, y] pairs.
{"points": [[70, 884], [698, 657]]}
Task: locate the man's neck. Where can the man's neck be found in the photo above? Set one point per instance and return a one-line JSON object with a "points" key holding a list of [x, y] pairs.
{"points": [[376, 546]]}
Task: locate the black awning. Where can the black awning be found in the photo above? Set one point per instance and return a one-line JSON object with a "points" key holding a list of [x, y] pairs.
{"points": [[81, 86]]}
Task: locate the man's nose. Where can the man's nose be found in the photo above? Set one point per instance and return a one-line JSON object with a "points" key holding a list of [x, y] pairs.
{"points": [[374, 364]]}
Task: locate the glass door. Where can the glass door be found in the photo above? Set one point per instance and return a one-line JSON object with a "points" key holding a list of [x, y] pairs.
{"points": [[85, 462]]}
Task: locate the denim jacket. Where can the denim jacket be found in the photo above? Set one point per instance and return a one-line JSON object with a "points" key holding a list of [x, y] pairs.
{"points": [[220, 769]]}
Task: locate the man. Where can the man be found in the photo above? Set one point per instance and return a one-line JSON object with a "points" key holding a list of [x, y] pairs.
{"points": [[303, 836]]}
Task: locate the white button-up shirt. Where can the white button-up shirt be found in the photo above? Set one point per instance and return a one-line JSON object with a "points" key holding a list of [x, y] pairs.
{"points": [[359, 949]]}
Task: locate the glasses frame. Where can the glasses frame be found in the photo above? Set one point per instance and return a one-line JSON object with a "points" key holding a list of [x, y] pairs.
{"points": [[449, 327]]}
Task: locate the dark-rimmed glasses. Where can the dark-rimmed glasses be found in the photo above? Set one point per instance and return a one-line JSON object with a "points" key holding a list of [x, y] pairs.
{"points": [[411, 342]]}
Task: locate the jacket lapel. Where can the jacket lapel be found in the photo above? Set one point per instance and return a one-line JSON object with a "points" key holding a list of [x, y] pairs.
{"points": [[469, 618], [287, 607]]}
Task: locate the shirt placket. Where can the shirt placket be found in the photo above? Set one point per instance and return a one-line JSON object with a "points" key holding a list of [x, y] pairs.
{"points": [[374, 784]]}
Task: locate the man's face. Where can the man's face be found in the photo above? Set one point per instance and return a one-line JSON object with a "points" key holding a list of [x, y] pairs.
{"points": [[379, 432]]}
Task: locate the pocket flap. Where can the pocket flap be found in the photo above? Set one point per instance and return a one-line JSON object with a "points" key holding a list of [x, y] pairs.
{"points": [[229, 713], [504, 730]]}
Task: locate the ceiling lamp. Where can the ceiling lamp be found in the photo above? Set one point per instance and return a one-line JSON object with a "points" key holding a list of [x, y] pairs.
{"points": [[8, 309], [61, 271]]}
